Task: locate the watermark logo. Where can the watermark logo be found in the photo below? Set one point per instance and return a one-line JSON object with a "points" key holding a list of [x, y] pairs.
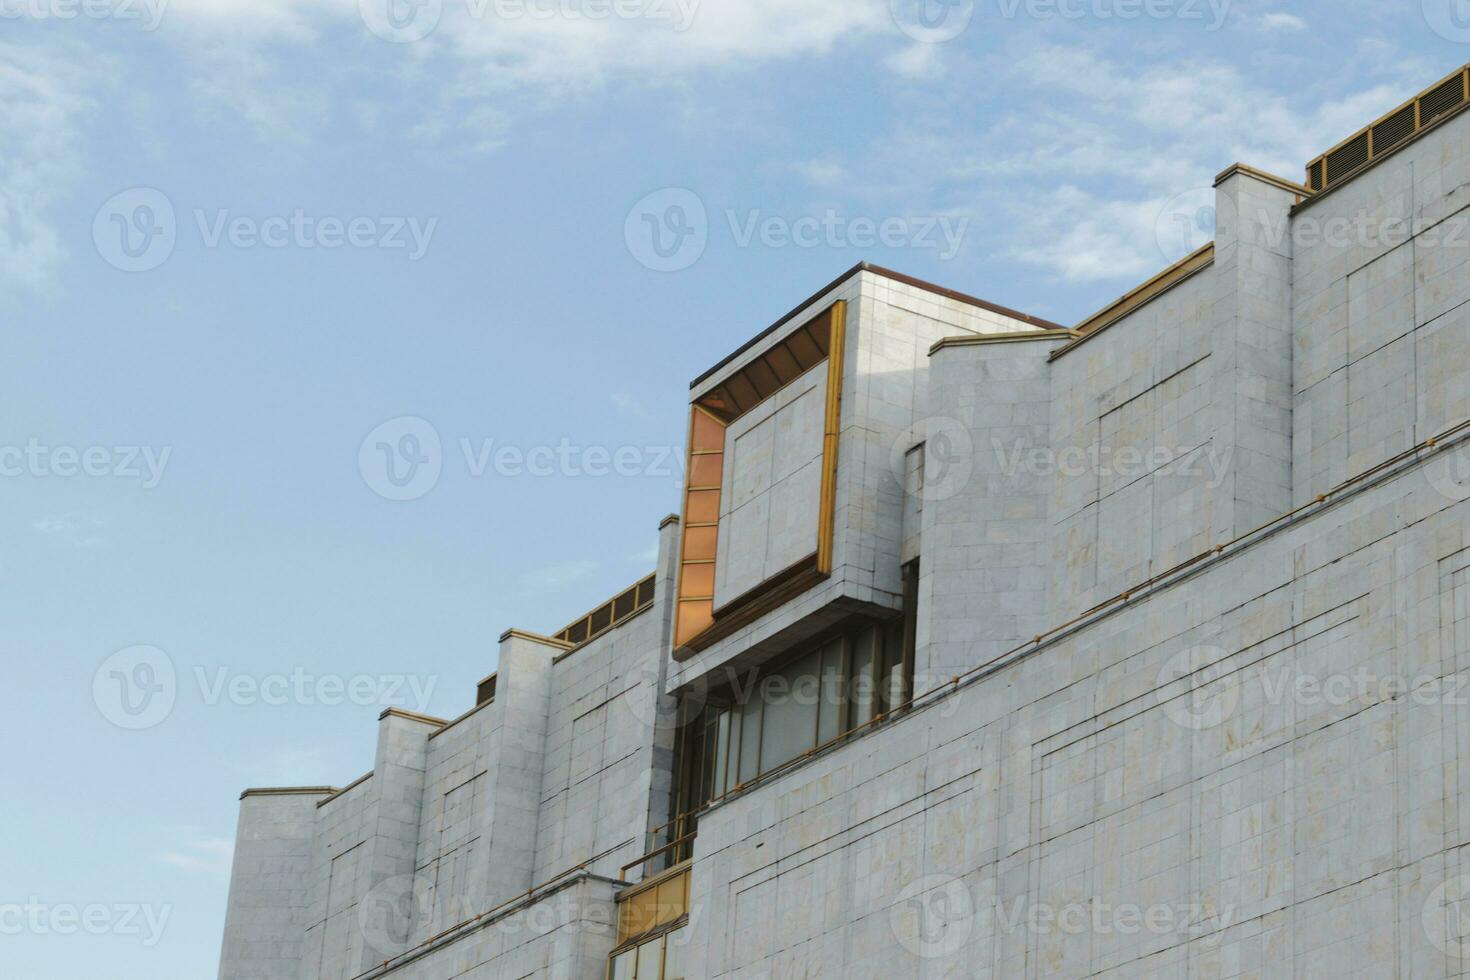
{"points": [[943, 234], [136, 687], [302, 687], [38, 918], [394, 911], [650, 707], [932, 21], [1212, 12], [949, 456], [1204, 464], [135, 230], [150, 12], [1186, 223], [1449, 473], [1203, 704], [401, 459], [1446, 917], [401, 21], [933, 916], [1205, 701], [306, 231], [1450, 19], [39, 460], [668, 230]]}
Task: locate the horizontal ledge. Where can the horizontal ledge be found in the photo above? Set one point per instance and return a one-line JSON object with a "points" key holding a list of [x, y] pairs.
{"points": [[289, 791], [346, 789], [979, 339], [1261, 175], [536, 638], [413, 716]]}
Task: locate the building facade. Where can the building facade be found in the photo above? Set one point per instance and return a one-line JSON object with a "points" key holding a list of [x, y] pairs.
{"points": [[987, 647]]}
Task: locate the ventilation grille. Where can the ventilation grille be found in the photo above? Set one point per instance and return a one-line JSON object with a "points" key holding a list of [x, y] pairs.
{"points": [[1393, 130], [1348, 158], [1433, 105], [1441, 100], [610, 613], [1315, 174]]}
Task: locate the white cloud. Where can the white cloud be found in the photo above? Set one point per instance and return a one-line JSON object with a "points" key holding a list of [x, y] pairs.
{"points": [[204, 855], [80, 531], [246, 83], [1281, 21], [1072, 161], [629, 406], [918, 60], [43, 101], [559, 576], [484, 50]]}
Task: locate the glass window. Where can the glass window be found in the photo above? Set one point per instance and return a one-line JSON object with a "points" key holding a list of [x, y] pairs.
{"points": [[650, 959], [750, 739], [722, 748], [805, 702], [863, 681], [791, 701], [676, 946], [829, 711], [625, 965]]}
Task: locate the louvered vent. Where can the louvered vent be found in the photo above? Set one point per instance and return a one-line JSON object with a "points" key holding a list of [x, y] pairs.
{"points": [[1441, 100], [1315, 174], [1347, 158], [1393, 130], [610, 613], [1433, 105]]}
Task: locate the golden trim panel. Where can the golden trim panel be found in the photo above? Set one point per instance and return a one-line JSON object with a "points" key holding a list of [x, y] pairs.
{"points": [[697, 623]]}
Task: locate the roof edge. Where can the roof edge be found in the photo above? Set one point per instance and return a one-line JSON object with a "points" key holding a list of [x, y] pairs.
{"points": [[876, 270]]}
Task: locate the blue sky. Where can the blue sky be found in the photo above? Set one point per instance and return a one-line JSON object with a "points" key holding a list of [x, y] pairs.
{"points": [[252, 251]]}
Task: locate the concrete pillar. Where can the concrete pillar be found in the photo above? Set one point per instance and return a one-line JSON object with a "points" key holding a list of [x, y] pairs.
{"points": [[270, 883], [1253, 349], [391, 843], [517, 759], [984, 506], [665, 709]]}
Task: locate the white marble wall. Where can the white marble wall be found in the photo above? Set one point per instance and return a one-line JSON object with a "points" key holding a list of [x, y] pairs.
{"points": [[1159, 781], [1381, 302]]}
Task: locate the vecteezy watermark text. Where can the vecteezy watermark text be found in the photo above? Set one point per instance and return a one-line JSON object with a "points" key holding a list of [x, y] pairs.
{"points": [[407, 21], [1212, 13], [39, 918], [137, 230], [150, 12], [1122, 462], [39, 460], [938, 21], [669, 230], [403, 458], [137, 688], [936, 915]]}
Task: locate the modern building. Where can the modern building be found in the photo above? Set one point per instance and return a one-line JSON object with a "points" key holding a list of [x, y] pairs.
{"points": [[987, 647]]}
